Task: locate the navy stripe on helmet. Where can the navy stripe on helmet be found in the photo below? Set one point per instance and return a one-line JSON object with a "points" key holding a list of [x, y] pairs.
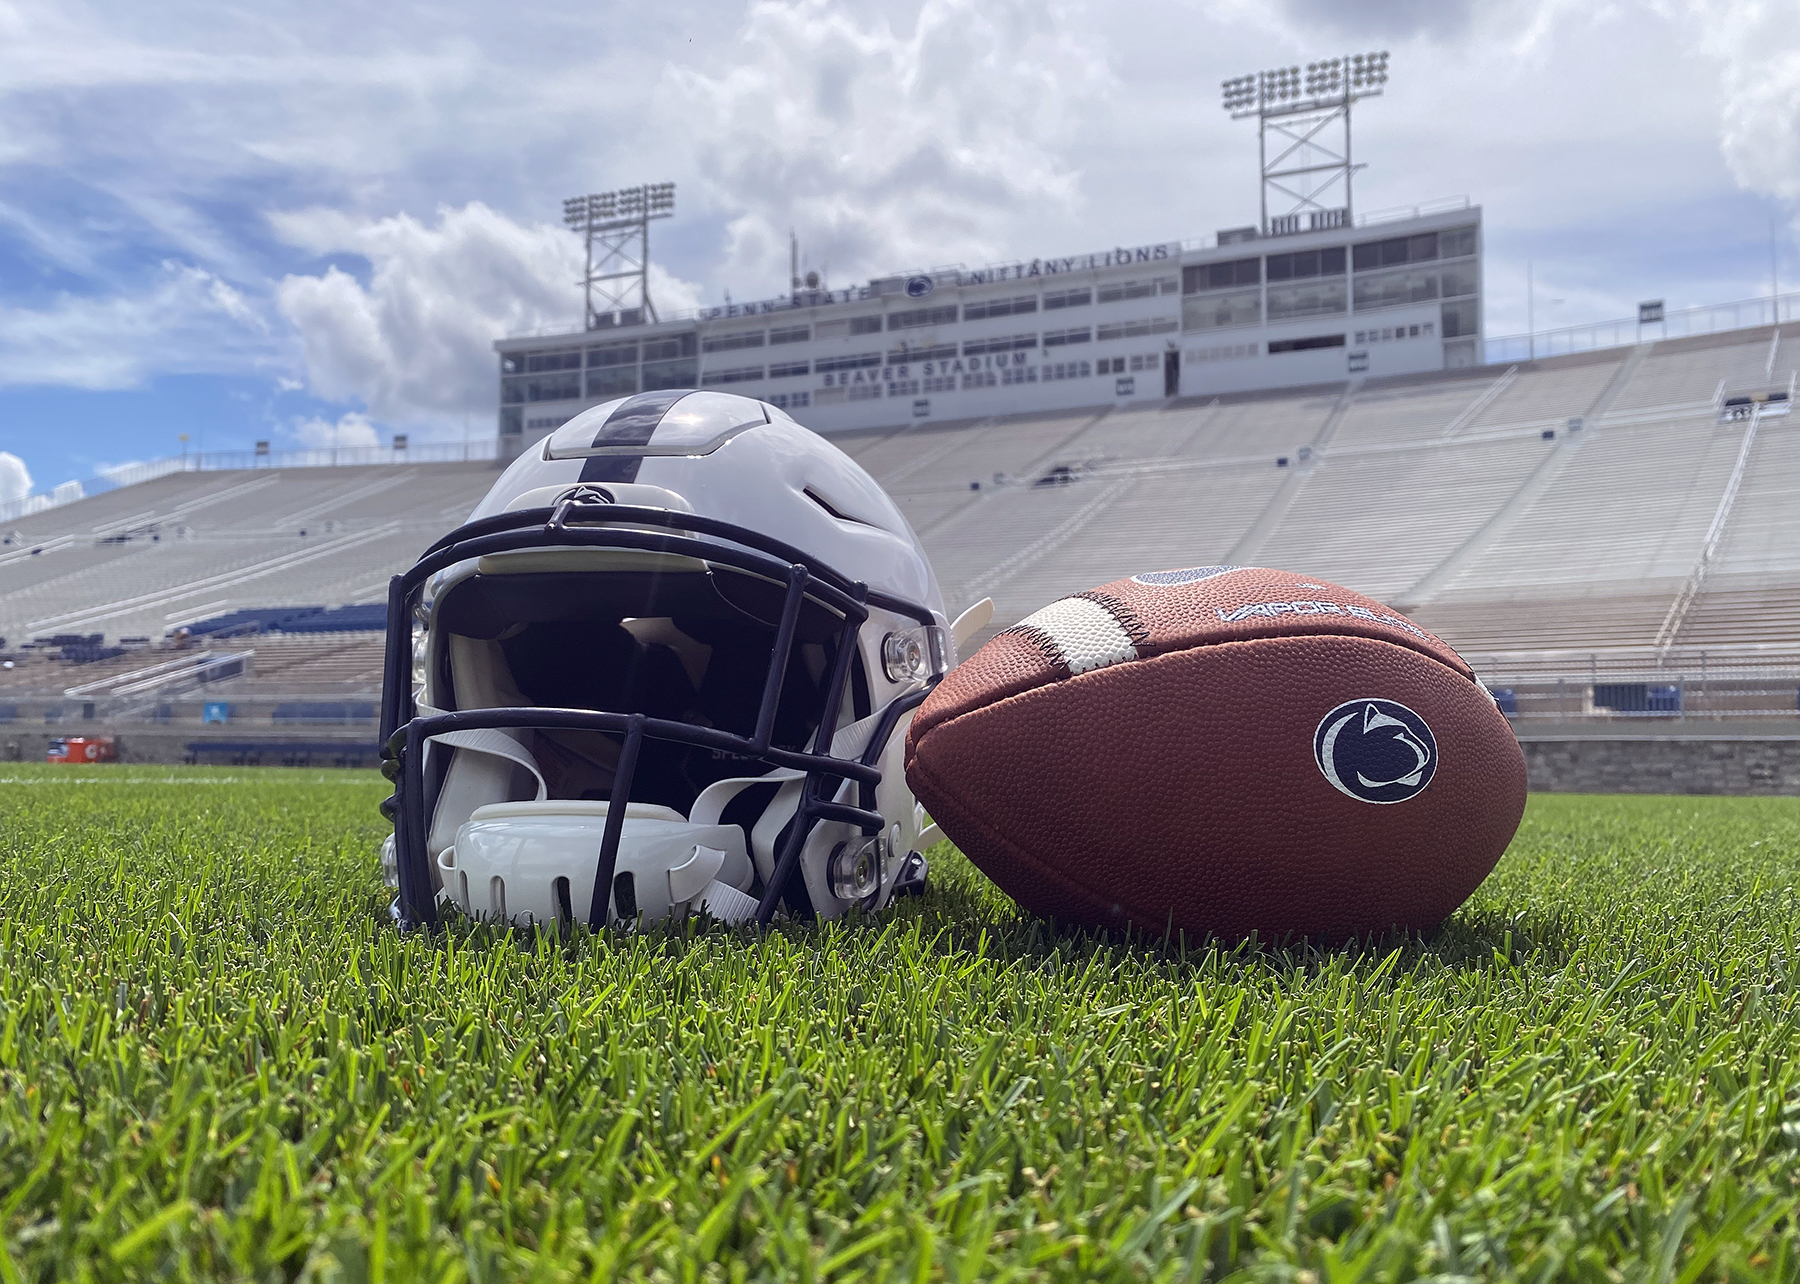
{"points": [[634, 422]]}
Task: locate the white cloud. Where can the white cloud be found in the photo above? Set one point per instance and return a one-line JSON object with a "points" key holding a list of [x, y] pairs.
{"points": [[414, 342], [183, 320], [1758, 44], [351, 430], [15, 478], [887, 147]]}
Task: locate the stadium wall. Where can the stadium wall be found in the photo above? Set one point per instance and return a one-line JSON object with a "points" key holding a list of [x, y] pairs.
{"points": [[1720, 764]]}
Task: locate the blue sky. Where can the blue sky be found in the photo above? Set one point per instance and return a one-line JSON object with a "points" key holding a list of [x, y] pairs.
{"points": [[306, 221]]}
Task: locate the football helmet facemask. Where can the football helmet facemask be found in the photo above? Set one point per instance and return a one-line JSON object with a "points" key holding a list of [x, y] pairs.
{"points": [[667, 666]]}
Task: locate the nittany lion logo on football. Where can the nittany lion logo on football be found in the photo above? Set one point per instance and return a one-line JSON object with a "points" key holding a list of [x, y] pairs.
{"points": [[1376, 751]]}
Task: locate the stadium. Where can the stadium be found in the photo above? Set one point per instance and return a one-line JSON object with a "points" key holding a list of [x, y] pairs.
{"points": [[225, 1054]]}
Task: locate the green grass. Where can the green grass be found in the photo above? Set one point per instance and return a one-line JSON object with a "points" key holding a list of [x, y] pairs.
{"points": [[216, 1062]]}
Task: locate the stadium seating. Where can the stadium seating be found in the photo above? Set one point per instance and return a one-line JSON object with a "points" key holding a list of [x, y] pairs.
{"points": [[1467, 498]]}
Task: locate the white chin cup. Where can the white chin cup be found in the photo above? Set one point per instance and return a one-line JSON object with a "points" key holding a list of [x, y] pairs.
{"points": [[532, 862]]}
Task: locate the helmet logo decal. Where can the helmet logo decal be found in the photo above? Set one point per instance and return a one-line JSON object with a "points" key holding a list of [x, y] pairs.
{"points": [[1375, 751]]}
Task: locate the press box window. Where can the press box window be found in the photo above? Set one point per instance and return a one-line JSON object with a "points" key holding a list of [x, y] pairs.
{"points": [[1056, 338], [1078, 298], [790, 370], [1221, 276], [1000, 307], [1222, 311], [865, 325], [680, 345], [1307, 299], [613, 354], [618, 382], [913, 318], [1307, 344], [1460, 318], [732, 342], [790, 334], [1422, 248], [540, 362], [1303, 264]]}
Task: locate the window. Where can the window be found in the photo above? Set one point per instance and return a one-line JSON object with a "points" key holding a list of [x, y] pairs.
{"points": [[1069, 370], [1221, 311], [856, 362], [549, 423], [865, 391], [981, 379], [1136, 289], [790, 369], [512, 391], [790, 334], [668, 374], [510, 424], [1224, 352], [680, 345], [1000, 307], [1458, 278], [1308, 299], [1387, 334], [1221, 276], [1137, 329], [1307, 344], [1391, 289], [557, 387], [1148, 361], [903, 388], [913, 318], [1400, 249], [1010, 343], [613, 354], [865, 325], [537, 362], [1303, 264], [618, 382], [739, 374], [732, 342], [831, 329], [512, 363], [1056, 338], [790, 400], [829, 396], [1456, 243], [1072, 298], [943, 352], [939, 383], [1461, 318], [1110, 365], [1015, 374]]}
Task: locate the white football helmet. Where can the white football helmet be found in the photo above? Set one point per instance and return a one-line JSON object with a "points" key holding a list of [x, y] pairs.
{"points": [[667, 665]]}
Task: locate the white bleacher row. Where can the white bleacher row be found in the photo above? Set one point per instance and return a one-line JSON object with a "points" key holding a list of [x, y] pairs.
{"points": [[140, 559], [1438, 493]]}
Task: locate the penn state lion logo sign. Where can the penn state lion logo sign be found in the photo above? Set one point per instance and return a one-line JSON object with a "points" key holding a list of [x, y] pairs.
{"points": [[1375, 751]]}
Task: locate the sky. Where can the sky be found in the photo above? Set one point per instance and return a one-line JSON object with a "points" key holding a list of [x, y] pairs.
{"points": [[308, 222]]}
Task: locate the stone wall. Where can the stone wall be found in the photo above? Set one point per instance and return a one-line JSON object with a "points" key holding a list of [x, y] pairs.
{"points": [[1663, 764]]}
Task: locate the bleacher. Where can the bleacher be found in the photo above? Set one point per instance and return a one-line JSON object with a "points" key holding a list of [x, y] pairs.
{"points": [[1576, 506]]}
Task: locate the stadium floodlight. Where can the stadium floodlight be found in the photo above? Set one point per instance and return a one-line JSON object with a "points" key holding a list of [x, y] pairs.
{"points": [[1299, 105], [616, 226]]}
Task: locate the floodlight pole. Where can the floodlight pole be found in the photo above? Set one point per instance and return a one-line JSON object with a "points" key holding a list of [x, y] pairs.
{"points": [[617, 225], [1299, 107]]}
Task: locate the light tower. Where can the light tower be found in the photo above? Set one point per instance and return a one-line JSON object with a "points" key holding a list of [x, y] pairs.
{"points": [[616, 226], [1298, 108]]}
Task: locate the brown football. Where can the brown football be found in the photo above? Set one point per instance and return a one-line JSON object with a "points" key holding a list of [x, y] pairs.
{"points": [[1222, 750]]}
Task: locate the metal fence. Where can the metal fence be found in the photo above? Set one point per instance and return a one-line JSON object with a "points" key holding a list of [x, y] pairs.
{"points": [[1710, 319], [1601, 688]]}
